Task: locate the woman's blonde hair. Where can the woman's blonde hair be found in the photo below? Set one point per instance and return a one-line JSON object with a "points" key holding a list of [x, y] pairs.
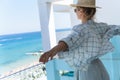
{"points": [[89, 12]]}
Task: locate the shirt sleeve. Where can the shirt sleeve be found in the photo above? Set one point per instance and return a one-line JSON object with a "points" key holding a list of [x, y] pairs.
{"points": [[113, 30], [73, 40]]}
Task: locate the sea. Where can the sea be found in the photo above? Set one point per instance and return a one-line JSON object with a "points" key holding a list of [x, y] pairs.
{"points": [[16, 49]]}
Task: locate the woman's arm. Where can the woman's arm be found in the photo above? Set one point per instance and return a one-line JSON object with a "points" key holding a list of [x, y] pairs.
{"points": [[62, 46]]}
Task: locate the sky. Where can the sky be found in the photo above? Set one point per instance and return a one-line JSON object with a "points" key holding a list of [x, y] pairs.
{"points": [[18, 16], [109, 12]]}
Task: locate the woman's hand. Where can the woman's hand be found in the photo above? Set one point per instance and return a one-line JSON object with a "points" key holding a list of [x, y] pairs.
{"points": [[47, 56], [62, 46]]}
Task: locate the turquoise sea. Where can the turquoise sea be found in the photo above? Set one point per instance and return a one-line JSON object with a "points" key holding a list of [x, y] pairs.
{"points": [[15, 49]]}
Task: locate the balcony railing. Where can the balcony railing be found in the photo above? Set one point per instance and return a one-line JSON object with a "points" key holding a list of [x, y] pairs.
{"points": [[35, 72]]}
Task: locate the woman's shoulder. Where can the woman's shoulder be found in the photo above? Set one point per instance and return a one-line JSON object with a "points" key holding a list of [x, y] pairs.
{"points": [[101, 26], [79, 27], [101, 23]]}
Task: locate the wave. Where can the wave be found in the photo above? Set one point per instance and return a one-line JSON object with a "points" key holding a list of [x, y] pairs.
{"points": [[35, 53], [1, 44], [18, 38]]}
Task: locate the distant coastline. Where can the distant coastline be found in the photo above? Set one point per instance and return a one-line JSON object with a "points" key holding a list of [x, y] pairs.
{"points": [[57, 30]]}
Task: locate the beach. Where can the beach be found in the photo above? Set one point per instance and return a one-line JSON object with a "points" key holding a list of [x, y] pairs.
{"points": [[26, 68]]}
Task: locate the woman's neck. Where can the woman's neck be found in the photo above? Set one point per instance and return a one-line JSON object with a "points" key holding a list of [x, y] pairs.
{"points": [[84, 21]]}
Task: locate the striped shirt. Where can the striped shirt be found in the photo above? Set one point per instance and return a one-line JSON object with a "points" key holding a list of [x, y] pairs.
{"points": [[87, 42]]}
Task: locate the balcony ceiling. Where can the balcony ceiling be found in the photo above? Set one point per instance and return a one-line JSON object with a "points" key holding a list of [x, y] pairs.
{"points": [[62, 5]]}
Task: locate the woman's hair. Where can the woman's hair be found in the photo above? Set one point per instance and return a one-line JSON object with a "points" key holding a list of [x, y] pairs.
{"points": [[89, 12]]}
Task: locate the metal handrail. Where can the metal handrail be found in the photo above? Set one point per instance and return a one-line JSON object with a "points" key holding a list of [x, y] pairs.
{"points": [[39, 64]]}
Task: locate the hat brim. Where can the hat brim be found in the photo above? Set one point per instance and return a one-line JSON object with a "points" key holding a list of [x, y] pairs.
{"points": [[90, 6]]}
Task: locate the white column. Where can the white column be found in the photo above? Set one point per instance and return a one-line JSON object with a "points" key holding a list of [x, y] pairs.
{"points": [[48, 35], [47, 24]]}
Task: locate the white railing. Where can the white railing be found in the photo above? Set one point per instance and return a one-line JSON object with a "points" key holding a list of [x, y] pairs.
{"points": [[35, 72]]}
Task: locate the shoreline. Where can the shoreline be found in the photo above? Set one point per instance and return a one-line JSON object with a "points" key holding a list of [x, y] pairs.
{"points": [[31, 70], [18, 65]]}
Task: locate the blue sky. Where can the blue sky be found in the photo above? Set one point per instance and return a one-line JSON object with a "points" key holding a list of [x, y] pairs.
{"points": [[18, 16]]}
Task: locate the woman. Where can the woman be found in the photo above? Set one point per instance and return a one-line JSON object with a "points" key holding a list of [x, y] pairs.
{"points": [[86, 43]]}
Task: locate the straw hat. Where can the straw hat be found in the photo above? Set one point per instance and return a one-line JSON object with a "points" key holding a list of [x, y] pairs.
{"points": [[85, 3]]}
